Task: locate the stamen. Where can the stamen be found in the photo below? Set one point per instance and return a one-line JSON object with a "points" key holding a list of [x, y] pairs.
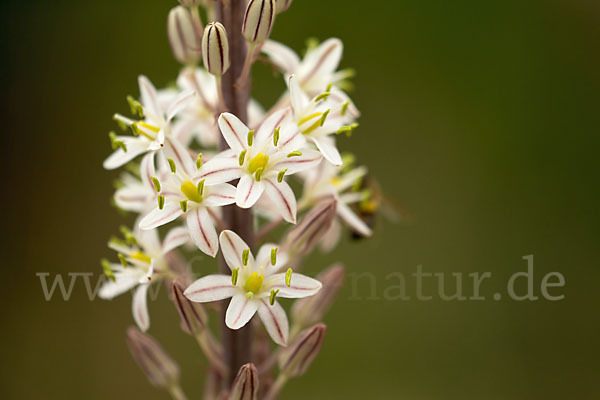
{"points": [[107, 270], [234, 276], [161, 202], [172, 165], [199, 161], [259, 161], [156, 183], [245, 255], [288, 277], [191, 191], [274, 255], [276, 136], [322, 96], [272, 296], [250, 137], [183, 204], [280, 175], [201, 187], [122, 259], [258, 174], [296, 153], [242, 157]]}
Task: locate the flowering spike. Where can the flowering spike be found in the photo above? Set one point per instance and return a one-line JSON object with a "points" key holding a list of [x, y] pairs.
{"points": [[250, 137], [258, 20], [199, 161], [296, 153], [274, 255], [161, 201], [183, 204], [276, 136], [122, 259], [245, 255], [272, 296], [172, 165], [108, 270], [242, 157], [288, 277], [324, 117], [258, 173], [234, 276], [201, 187], [156, 183], [280, 175], [215, 49]]}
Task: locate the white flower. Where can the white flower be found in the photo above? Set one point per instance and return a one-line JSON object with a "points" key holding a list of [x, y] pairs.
{"points": [[186, 192], [261, 160], [329, 180], [143, 262], [151, 132], [253, 286], [316, 70], [328, 113]]}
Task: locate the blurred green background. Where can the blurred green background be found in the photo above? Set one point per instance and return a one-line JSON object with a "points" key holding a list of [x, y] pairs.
{"points": [[479, 117]]}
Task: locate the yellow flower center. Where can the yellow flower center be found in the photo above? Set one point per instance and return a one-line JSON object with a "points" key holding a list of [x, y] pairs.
{"points": [[254, 282], [191, 191], [138, 255], [259, 161]]}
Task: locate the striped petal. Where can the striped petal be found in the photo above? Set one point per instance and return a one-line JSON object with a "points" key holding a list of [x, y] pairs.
{"points": [[300, 286], [298, 98], [139, 307], [232, 247], [282, 56], [241, 309], [283, 198], [180, 103], [352, 220], [210, 288], [219, 195], [174, 238], [149, 99], [327, 147], [323, 60], [133, 198], [234, 131], [220, 170], [158, 217], [202, 231], [135, 147], [308, 159], [266, 130], [180, 155], [248, 191], [275, 321]]}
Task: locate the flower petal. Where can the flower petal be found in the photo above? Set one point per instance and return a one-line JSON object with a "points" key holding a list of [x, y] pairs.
{"points": [[232, 247], [180, 103], [180, 155], [124, 281], [234, 131], [139, 307], [147, 170], [263, 258], [241, 309], [132, 198], [300, 286], [149, 99], [248, 191], [321, 61], [275, 321], [283, 198], [352, 220], [327, 147], [135, 147], [202, 231], [158, 217], [219, 195], [174, 238], [308, 159], [219, 170], [282, 56], [211, 288], [267, 128], [298, 98]]}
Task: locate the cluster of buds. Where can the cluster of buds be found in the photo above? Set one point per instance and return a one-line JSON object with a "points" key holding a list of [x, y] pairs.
{"points": [[199, 168]]}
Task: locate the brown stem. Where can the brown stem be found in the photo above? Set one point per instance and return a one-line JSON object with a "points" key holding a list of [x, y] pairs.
{"points": [[236, 344]]}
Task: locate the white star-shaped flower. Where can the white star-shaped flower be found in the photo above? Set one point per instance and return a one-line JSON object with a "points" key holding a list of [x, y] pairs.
{"points": [[253, 286], [261, 161], [142, 262], [152, 131]]}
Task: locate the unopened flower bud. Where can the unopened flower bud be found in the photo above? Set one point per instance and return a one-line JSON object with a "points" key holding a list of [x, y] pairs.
{"points": [[295, 359], [245, 385], [258, 20], [215, 49], [184, 31], [160, 369], [303, 238], [193, 316], [310, 310], [282, 5]]}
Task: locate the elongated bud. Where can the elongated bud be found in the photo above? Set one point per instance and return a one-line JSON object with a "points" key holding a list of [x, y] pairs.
{"points": [[160, 369], [193, 316], [258, 20], [310, 310], [304, 237], [295, 359], [245, 385], [184, 31], [215, 49], [282, 5]]}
